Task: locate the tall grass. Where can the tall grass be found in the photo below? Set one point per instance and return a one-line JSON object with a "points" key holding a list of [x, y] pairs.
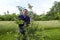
{"points": [[38, 30]]}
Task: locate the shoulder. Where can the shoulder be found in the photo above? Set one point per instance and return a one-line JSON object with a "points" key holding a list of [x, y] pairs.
{"points": [[20, 16]]}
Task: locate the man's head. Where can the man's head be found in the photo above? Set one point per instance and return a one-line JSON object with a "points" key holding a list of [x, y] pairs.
{"points": [[25, 12]]}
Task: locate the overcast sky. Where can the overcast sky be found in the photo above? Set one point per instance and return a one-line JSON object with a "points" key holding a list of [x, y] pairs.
{"points": [[39, 6]]}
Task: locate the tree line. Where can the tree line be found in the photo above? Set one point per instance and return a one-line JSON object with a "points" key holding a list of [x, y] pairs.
{"points": [[53, 14]]}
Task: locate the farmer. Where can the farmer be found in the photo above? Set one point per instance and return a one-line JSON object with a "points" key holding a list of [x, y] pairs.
{"points": [[26, 22]]}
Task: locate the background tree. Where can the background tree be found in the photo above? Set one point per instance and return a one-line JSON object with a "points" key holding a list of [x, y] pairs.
{"points": [[20, 9], [30, 6], [54, 12]]}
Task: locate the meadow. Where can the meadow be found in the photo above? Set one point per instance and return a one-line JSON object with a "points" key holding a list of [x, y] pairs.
{"points": [[38, 30]]}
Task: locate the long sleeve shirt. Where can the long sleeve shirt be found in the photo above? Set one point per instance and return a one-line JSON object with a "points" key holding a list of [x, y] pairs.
{"points": [[26, 19]]}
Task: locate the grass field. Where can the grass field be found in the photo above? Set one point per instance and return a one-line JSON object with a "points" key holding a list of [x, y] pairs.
{"points": [[39, 30]]}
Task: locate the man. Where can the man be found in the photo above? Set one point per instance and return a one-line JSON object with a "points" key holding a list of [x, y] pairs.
{"points": [[26, 22]]}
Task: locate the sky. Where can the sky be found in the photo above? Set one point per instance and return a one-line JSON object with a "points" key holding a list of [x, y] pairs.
{"points": [[39, 6]]}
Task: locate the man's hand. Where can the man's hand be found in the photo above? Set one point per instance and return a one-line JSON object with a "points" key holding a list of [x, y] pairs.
{"points": [[19, 21]]}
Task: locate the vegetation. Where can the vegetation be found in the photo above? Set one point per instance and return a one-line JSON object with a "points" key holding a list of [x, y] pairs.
{"points": [[53, 14], [43, 30], [39, 29]]}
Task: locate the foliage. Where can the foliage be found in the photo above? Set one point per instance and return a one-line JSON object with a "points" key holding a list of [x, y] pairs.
{"points": [[54, 12], [8, 17], [20, 9], [19, 21], [38, 30]]}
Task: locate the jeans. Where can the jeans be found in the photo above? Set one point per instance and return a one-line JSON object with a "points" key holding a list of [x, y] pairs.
{"points": [[21, 30]]}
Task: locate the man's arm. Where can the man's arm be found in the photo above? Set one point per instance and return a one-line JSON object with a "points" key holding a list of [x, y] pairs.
{"points": [[19, 20]]}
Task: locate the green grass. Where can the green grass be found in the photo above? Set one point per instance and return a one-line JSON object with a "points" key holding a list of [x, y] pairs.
{"points": [[39, 30], [53, 34]]}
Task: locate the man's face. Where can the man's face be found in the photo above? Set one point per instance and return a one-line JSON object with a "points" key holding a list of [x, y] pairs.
{"points": [[24, 12]]}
